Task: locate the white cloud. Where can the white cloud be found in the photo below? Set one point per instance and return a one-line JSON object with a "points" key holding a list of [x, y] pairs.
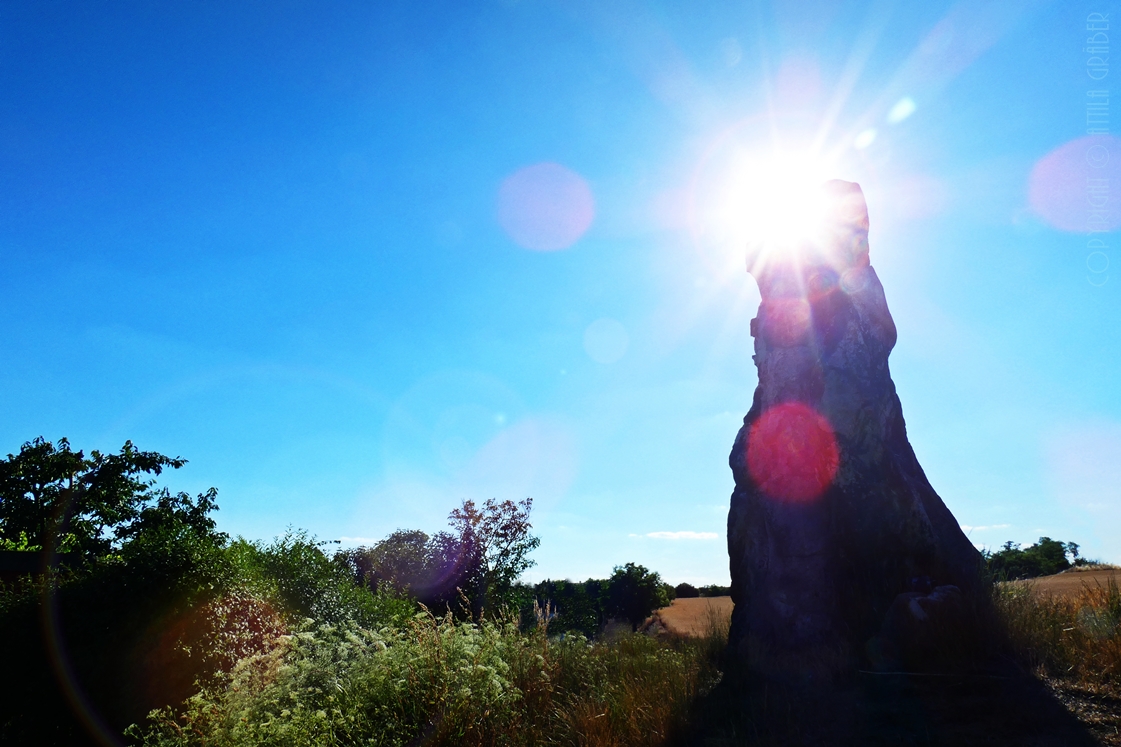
{"points": [[683, 535], [359, 540]]}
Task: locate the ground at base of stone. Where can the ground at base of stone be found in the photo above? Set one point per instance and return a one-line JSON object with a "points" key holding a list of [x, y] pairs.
{"points": [[994, 707]]}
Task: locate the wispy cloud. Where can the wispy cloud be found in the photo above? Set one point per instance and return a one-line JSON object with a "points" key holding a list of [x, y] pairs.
{"points": [[968, 528], [683, 535]]}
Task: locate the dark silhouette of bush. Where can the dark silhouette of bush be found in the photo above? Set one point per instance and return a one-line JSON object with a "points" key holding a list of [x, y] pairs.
{"points": [[159, 604], [686, 591]]}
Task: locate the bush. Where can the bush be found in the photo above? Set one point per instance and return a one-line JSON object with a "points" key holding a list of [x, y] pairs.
{"points": [[443, 682], [294, 571], [686, 591]]}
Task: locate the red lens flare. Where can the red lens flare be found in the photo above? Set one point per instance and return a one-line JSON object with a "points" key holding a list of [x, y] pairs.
{"points": [[792, 453]]}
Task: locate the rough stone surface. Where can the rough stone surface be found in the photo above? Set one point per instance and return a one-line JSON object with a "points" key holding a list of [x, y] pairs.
{"points": [[832, 517]]}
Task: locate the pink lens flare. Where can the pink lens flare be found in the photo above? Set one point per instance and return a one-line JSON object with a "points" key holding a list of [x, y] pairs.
{"points": [[792, 453], [1070, 186], [545, 207]]}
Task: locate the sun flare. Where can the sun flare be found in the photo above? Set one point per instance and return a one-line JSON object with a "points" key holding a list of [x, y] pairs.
{"points": [[762, 196], [775, 202]]}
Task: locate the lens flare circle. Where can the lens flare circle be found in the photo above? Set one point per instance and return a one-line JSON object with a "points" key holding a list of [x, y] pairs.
{"points": [[1069, 187], [545, 207], [792, 453]]}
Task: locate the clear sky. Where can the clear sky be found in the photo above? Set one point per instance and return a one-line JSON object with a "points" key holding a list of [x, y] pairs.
{"points": [[358, 262]]}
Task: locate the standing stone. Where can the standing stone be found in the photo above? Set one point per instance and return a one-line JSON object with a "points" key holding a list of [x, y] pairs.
{"points": [[832, 517]]}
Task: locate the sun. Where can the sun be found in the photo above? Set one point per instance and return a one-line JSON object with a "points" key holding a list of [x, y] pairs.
{"points": [[774, 202]]}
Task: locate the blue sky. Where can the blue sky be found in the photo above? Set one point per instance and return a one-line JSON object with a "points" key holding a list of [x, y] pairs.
{"points": [[276, 239]]}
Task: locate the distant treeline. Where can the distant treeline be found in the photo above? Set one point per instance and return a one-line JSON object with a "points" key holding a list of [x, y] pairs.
{"points": [[685, 591], [1044, 558]]}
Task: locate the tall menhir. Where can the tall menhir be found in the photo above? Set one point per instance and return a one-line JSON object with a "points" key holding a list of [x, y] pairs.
{"points": [[832, 518]]}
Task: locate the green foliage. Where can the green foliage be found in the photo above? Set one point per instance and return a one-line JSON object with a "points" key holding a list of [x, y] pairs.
{"points": [[294, 571], [55, 496], [1044, 558], [574, 606], [402, 562], [162, 603], [634, 592], [440, 682], [497, 541]]}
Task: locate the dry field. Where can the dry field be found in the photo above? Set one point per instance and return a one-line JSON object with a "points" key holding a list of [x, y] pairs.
{"points": [[1070, 584], [694, 617]]}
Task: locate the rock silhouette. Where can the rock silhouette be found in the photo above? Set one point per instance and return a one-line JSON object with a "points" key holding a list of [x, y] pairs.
{"points": [[832, 517]]}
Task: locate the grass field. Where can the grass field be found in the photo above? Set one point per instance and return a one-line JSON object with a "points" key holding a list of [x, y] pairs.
{"points": [[1070, 584], [693, 617]]}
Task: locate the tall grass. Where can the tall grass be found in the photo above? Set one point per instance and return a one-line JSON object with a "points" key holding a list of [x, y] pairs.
{"points": [[437, 681], [1072, 637]]}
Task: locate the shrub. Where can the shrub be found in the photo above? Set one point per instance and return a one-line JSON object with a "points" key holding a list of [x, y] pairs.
{"points": [[444, 682], [685, 591]]}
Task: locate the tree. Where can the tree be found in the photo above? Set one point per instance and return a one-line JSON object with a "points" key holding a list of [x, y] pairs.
{"points": [[1045, 557], [685, 590], [52, 497], [573, 605], [492, 546], [399, 562], [481, 558], [635, 592]]}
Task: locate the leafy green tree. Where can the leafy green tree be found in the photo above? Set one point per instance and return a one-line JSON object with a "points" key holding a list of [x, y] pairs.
{"points": [[54, 497], [1045, 557], [491, 547], [480, 559], [634, 592], [400, 562]]}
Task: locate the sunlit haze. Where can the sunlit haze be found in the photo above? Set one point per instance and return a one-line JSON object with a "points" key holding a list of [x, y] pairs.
{"points": [[358, 262]]}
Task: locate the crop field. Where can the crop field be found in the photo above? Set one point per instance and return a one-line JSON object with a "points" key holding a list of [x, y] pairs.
{"points": [[694, 617], [1071, 584]]}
